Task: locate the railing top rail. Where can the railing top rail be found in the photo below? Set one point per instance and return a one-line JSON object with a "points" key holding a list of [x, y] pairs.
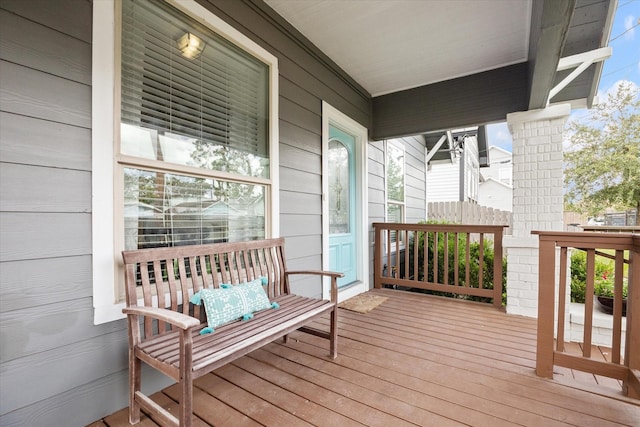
{"points": [[459, 228], [612, 228], [591, 240]]}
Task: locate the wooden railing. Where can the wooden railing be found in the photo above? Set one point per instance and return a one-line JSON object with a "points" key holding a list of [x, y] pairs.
{"points": [[553, 263], [438, 257]]}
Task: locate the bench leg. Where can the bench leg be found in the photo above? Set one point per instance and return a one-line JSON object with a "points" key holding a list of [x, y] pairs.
{"points": [[135, 373], [333, 346], [285, 339], [186, 379]]}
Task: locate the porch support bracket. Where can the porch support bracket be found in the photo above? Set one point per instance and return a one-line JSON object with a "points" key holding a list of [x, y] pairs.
{"points": [[450, 141], [435, 148], [581, 62]]}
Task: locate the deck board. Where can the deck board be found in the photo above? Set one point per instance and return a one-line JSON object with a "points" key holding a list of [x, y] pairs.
{"points": [[414, 360]]}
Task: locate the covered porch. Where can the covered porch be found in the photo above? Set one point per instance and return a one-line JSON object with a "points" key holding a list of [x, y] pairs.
{"points": [[414, 360]]}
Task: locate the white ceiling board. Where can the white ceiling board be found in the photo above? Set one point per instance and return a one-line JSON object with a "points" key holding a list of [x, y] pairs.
{"points": [[391, 45]]}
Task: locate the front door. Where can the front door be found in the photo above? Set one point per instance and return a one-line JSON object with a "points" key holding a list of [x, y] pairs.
{"points": [[342, 205]]}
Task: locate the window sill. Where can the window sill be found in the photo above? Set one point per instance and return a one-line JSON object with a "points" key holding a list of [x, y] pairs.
{"points": [[108, 313]]}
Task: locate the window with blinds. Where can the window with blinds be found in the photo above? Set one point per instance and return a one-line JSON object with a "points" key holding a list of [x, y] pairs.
{"points": [[395, 184], [194, 152]]}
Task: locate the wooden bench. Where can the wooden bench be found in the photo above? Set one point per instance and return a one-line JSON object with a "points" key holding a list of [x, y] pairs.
{"points": [[159, 283]]}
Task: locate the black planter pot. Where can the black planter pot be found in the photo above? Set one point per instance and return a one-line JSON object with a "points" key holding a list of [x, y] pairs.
{"points": [[607, 305]]}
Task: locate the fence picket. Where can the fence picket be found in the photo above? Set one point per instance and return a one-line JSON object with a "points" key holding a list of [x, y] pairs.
{"points": [[468, 213]]}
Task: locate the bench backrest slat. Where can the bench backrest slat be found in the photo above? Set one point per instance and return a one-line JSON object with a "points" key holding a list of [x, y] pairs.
{"points": [[167, 277]]}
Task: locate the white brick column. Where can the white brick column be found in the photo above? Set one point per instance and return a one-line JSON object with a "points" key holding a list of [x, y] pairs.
{"points": [[537, 199]]}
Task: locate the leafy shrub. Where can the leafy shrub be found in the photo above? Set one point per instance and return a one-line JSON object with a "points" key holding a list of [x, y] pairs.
{"points": [[579, 273]]}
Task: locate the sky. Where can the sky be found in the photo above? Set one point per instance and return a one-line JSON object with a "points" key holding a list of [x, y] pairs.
{"points": [[624, 63]]}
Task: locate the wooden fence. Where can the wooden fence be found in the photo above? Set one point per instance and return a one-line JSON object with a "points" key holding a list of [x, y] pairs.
{"points": [[468, 213]]}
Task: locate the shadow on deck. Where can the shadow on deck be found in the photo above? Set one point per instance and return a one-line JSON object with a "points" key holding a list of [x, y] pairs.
{"points": [[414, 360]]}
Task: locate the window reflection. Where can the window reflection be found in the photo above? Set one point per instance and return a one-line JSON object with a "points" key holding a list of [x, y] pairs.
{"points": [[163, 209]]}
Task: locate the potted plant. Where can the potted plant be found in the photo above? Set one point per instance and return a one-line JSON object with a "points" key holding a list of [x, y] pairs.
{"points": [[604, 291]]}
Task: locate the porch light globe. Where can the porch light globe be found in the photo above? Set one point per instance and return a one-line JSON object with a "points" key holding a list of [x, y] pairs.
{"points": [[190, 45]]}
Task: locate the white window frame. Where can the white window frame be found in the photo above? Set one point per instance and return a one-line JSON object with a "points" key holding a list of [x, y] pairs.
{"points": [[107, 261], [402, 203]]}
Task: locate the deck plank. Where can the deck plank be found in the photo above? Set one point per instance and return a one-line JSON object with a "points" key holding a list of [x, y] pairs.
{"points": [[414, 360]]}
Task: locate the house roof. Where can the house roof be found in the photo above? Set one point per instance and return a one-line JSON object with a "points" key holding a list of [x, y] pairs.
{"points": [[404, 50]]}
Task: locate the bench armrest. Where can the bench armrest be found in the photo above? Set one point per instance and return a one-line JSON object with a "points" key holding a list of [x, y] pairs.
{"points": [[335, 275], [175, 318]]}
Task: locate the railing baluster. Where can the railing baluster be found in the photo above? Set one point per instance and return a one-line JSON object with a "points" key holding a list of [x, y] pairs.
{"points": [[435, 257], [617, 306], [467, 271], [406, 254], [588, 303], [481, 264], [425, 256], [456, 262], [562, 296], [445, 258], [497, 269], [416, 241]]}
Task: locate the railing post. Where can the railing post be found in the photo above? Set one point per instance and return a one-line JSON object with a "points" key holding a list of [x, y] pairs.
{"points": [[631, 386], [546, 307]]}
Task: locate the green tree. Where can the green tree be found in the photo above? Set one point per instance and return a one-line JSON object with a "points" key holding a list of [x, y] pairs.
{"points": [[602, 165]]}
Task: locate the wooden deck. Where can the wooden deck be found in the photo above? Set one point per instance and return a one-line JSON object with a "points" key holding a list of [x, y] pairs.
{"points": [[414, 360]]}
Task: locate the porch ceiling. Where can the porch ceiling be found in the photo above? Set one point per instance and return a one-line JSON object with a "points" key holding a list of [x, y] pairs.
{"points": [[413, 47], [388, 46]]}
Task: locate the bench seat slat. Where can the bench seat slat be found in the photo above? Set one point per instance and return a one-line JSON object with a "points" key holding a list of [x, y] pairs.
{"points": [[153, 344], [213, 350]]}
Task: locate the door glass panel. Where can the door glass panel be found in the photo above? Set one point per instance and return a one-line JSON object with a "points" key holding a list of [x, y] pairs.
{"points": [[339, 208]]}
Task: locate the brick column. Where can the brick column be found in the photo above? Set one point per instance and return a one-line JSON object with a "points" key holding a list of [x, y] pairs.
{"points": [[537, 198]]}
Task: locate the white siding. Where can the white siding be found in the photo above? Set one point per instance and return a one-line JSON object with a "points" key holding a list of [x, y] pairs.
{"points": [[495, 194], [443, 181]]}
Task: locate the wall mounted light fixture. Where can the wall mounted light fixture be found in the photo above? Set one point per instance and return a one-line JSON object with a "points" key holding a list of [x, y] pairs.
{"points": [[191, 45]]}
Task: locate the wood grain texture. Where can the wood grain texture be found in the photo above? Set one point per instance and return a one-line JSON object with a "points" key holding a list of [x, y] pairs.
{"points": [[44, 235], [43, 189], [46, 143], [38, 47], [64, 16], [37, 329], [36, 94], [33, 283], [158, 283], [414, 360], [78, 363]]}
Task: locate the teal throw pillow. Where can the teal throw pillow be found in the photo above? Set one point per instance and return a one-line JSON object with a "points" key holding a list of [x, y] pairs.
{"points": [[229, 302]]}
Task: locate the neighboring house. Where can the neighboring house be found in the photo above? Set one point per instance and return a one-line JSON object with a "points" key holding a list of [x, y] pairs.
{"points": [[494, 193], [453, 165], [102, 129], [496, 189]]}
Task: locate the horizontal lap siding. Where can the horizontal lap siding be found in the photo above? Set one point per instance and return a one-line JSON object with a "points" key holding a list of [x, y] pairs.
{"points": [[46, 310], [415, 190]]}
